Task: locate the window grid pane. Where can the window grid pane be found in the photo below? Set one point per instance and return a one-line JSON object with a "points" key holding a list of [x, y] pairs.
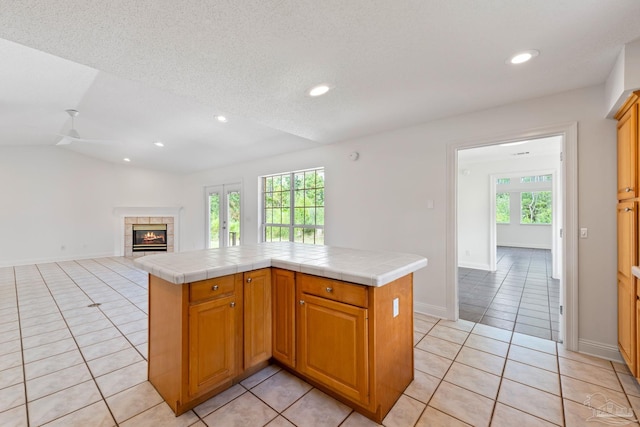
{"points": [[503, 208], [535, 207], [304, 221]]}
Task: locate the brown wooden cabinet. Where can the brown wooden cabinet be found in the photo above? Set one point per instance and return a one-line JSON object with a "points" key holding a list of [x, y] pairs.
{"points": [[283, 300], [212, 344], [333, 342], [628, 153], [627, 220], [257, 317], [195, 338], [627, 257], [356, 342]]}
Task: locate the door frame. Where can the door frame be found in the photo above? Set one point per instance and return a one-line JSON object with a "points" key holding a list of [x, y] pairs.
{"points": [[569, 242], [236, 184], [555, 221]]}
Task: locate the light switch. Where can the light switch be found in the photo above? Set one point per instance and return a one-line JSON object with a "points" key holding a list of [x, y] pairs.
{"points": [[584, 233], [396, 307]]}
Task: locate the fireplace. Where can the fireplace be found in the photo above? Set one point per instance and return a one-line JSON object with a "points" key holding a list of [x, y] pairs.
{"points": [[149, 237]]}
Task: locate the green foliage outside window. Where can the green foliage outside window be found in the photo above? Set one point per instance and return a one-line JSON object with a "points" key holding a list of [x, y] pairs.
{"points": [[503, 210], [536, 207], [214, 221], [294, 207]]}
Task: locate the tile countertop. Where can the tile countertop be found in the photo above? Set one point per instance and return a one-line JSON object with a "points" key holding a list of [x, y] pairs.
{"points": [[635, 271], [371, 268]]}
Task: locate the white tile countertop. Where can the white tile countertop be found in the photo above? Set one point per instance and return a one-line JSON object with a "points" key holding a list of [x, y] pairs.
{"points": [[371, 268], [635, 270]]}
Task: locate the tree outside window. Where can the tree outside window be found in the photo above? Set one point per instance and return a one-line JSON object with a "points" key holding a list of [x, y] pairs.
{"points": [[503, 210], [294, 207], [535, 207]]}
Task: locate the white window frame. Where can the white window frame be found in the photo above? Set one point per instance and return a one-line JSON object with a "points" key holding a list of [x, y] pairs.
{"points": [[292, 225]]}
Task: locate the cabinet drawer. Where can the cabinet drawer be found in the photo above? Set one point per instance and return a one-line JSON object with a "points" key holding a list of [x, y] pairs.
{"points": [[211, 288], [335, 290]]}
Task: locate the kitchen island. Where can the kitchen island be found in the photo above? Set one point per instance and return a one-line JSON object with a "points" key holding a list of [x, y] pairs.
{"points": [[342, 319]]}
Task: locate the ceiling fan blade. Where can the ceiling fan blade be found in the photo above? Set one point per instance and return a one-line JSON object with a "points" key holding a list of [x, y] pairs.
{"points": [[65, 140], [96, 141], [68, 139]]}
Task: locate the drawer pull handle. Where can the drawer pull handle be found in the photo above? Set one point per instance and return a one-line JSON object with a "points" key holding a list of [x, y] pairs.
{"points": [[233, 304], [249, 280], [214, 288], [301, 302], [628, 189], [329, 290], [628, 209]]}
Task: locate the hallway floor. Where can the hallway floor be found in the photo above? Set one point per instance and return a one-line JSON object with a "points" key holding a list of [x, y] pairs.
{"points": [[519, 296]]}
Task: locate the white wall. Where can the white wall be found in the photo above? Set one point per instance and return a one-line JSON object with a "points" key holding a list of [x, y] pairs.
{"points": [[54, 197], [380, 201], [57, 204], [474, 209]]}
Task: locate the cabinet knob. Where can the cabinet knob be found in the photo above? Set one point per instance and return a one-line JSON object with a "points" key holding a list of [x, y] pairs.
{"points": [[233, 304], [248, 279], [329, 290], [301, 302], [628, 189], [628, 209], [214, 288]]}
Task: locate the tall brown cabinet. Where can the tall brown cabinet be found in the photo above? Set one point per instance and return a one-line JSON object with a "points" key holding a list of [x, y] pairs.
{"points": [[628, 186]]}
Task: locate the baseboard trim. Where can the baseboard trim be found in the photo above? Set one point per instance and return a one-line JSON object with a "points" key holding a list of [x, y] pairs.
{"points": [[604, 351], [46, 260], [431, 310], [525, 245], [474, 265]]}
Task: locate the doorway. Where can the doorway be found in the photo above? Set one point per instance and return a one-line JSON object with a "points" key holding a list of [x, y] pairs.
{"points": [[565, 219], [223, 215]]}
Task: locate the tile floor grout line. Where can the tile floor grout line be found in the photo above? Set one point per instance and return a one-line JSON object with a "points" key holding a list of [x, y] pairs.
{"points": [[93, 378], [24, 373], [105, 314]]}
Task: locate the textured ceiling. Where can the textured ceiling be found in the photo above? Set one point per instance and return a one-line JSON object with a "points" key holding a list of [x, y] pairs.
{"points": [[393, 64]]}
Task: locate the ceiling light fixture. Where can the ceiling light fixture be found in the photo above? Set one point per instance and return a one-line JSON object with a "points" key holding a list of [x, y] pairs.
{"points": [[221, 119], [126, 159], [319, 90], [158, 144], [522, 57]]}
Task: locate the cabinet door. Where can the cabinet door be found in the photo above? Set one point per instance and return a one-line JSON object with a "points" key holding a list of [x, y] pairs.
{"points": [[634, 367], [257, 317], [283, 293], [212, 344], [627, 154], [627, 257], [333, 346]]}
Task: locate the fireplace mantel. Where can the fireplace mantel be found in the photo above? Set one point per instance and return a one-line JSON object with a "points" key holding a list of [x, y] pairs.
{"points": [[122, 212]]}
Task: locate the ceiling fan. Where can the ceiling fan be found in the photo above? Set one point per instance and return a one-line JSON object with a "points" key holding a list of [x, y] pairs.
{"points": [[73, 136]]}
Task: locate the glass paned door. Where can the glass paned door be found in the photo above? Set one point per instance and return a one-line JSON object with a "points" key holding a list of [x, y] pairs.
{"points": [[224, 205]]}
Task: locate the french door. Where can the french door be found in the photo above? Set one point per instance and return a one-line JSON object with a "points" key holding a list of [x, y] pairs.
{"points": [[224, 205]]}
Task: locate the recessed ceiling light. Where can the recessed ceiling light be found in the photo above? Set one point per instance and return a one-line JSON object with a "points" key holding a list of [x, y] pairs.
{"points": [[319, 90], [522, 57], [158, 144], [126, 159], [221, 119]]}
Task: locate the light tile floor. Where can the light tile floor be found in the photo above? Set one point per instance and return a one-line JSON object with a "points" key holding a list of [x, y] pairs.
{"points": [[63, 363], [519, 296]]}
